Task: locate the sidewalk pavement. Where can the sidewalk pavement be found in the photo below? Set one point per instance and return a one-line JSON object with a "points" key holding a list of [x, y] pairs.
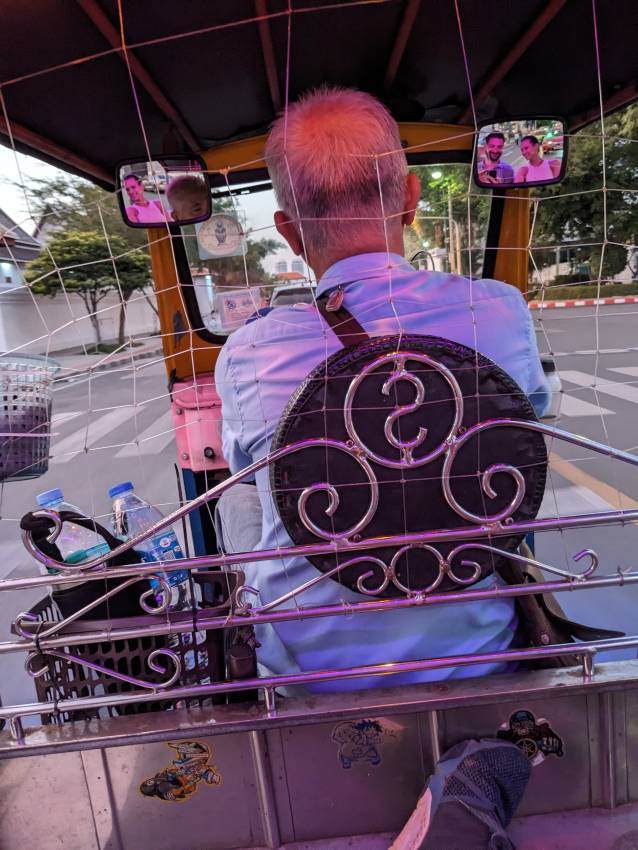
{"points": [[74, 365]]}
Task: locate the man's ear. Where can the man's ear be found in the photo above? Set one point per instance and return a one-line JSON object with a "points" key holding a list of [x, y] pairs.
{"points": [[412, 196], [288, 230]]}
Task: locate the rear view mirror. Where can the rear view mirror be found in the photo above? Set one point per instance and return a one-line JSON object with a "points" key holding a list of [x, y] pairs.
{"points": [[167, 190], [521, 152]]}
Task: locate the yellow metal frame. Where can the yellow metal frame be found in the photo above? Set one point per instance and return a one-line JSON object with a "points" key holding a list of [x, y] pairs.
{"points": [[187, 353]]}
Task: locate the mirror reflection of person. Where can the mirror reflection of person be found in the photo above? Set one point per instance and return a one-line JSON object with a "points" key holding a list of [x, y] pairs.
{"points": [[141, 210], [491, 168], [188, 197], [537, 169]]}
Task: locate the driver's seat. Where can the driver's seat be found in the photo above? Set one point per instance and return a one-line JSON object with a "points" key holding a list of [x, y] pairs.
{"points": [[384, 440]]}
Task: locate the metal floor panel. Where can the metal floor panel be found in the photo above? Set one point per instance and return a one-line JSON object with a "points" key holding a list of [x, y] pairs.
{"points": [[598, 829]]}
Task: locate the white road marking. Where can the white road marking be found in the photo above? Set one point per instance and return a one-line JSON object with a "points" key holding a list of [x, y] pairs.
{"points": [[153, 440], [62, 418], [572, 406], [626, 392], [86, 436], [571, 500], [594, 351], [632, 371]]}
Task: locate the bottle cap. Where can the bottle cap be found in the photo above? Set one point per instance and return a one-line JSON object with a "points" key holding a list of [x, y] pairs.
{"points": [[116, 489], [49, 497]]}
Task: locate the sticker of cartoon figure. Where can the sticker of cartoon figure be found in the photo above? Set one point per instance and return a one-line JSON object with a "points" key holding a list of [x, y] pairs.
{"points": [[180, 780], [534, 737], [359, 741]]}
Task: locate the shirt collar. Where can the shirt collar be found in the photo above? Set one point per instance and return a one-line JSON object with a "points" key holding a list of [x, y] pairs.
{"points": [[361, 267]]}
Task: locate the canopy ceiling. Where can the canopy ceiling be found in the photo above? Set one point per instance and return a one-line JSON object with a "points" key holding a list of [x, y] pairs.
{"points": [[202, 73]]}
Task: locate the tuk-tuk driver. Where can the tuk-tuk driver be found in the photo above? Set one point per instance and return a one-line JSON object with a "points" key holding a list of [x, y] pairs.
{"points": [[330, 159]]}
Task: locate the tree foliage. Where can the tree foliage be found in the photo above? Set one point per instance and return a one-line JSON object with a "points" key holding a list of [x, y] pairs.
{"points": [[85, 263], [82, 217], [576, 210], [450, 200], [64, 203]]}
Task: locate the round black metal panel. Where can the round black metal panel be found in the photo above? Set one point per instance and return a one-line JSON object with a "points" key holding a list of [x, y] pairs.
{"points": [[391, 404]]}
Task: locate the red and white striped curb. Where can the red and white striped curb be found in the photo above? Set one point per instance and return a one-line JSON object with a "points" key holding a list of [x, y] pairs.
{"points": [[582, 302]]}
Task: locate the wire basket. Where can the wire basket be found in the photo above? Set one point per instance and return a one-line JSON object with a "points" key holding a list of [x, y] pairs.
{"points": [[25, 416]]}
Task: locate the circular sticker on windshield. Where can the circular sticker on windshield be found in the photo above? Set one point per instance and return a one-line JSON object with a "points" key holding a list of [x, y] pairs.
{"points": [[221, 236]]}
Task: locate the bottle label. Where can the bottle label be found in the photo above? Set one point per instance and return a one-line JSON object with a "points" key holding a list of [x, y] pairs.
{"points": [[81, 556], [165, 547], [97, 551]]}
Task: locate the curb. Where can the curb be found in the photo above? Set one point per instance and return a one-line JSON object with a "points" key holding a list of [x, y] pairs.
{"points": [[105, 365], [582, 302]]}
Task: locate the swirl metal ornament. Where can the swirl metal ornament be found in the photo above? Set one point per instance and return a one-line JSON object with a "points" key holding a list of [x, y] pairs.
{"points": [[164, 592], [333, 496], [151, 661], [445, 569], [400, 373]]}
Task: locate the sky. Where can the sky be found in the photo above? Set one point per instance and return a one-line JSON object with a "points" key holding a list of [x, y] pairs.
{"points": [[12, 199]]}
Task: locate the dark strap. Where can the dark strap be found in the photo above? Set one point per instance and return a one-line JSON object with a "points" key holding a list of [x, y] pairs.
{"points": [[340, 319], [543, 620], [40, 527]]}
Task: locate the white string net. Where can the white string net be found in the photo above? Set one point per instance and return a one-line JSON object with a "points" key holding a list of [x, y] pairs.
{"points": [[111, 417]]}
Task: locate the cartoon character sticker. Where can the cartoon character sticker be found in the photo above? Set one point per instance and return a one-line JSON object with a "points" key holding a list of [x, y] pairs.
{"points": [[359, 741], [180, 780], [534, 737]]}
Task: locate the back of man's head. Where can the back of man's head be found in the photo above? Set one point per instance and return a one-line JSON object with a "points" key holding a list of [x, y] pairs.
{"points": [[337, 166]]}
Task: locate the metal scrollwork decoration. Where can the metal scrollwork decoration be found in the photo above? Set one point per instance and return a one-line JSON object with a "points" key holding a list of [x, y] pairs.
{"points": [[526, 561], [333, 496], [445, 569], [172, 659], [449, 447], [401, 373], [20, 623], [486, 479]]}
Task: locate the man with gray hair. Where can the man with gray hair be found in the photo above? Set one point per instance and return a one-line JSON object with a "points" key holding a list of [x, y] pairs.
{"points": [[342, 182]]}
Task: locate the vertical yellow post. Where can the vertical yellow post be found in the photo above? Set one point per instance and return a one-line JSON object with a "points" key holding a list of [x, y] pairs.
{"points": [[512, 257]]}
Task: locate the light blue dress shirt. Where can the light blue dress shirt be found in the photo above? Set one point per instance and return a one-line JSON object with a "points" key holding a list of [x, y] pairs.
{"points": [[258, 369]]}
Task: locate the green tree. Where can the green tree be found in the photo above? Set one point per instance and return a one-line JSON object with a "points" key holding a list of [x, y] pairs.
{"points": [[64, 203], [449, 200], [84, 262], [574, 210]]}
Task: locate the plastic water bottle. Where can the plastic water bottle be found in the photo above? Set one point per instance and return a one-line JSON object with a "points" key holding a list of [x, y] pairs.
{"points": [[133, 515], [76, 543]]}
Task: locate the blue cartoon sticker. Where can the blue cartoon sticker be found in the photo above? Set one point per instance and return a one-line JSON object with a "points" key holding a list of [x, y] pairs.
{"points": [[180, 780], [359, 741]]}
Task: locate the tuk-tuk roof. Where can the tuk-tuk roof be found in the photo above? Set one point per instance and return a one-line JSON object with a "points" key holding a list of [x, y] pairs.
{"points": [[207, 73]]}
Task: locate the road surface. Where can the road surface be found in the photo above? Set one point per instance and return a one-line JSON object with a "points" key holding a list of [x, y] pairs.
{"points": [[596, 351]]}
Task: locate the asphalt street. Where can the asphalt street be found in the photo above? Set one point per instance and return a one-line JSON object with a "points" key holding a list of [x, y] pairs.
{"points": [[117, 426], [596, 354]]}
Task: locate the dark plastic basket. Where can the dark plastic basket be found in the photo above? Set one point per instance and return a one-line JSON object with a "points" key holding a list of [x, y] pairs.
{"points": [[67, 680], [25, 416]]}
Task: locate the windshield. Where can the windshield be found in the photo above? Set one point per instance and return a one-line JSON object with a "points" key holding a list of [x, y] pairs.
{"points": [[239, 264]]}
